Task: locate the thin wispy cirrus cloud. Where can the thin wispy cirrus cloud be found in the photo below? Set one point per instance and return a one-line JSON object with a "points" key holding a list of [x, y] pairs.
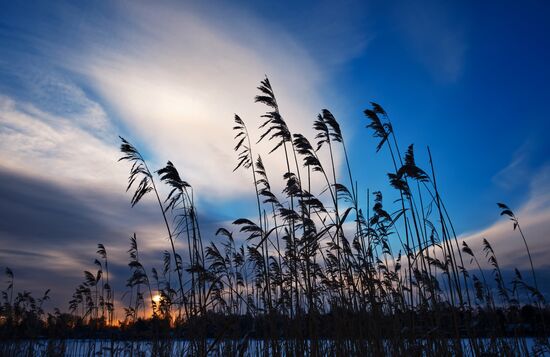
{"points": [[436, 35], [507, 242], [519, 170], [175, 81], [534, 218], [175, 77]]}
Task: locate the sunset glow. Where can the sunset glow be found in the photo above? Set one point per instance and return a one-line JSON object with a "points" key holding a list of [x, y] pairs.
{"points": [[156, 298]]}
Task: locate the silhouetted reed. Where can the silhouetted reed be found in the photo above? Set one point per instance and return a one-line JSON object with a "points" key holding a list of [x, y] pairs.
{"points": [[313, 272]]}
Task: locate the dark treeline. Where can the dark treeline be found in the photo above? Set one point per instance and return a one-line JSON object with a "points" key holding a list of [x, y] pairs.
{"points": [[526, 321], [312, 266]]}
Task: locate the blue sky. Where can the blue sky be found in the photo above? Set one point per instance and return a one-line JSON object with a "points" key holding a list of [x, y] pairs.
{"points": [[469, 79]]}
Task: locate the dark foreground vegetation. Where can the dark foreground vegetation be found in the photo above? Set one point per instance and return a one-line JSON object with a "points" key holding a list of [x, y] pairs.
{"points": [[317, 273]]}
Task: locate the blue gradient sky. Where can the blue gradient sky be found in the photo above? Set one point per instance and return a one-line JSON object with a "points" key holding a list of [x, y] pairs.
{"points": [[469, 79]]}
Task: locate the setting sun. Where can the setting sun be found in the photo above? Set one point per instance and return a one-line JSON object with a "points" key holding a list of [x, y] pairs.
{"points": [[156, 298]]}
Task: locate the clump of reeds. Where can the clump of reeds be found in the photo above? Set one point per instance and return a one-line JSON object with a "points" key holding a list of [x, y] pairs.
{"points": [[313, 272], [313, 258]]}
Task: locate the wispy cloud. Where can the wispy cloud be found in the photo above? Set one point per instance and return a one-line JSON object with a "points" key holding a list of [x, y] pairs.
{"points": [[333, 33], [178, 79], [172, 77], [534, 217], [436, 37], [49, 233], [519, 170], [55, 148]]}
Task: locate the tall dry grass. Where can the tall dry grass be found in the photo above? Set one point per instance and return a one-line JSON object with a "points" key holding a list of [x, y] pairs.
{"points": [[313, 272]]}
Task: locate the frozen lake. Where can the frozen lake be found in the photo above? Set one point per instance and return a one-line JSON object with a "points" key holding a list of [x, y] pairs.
{"points": [[180, 347]]}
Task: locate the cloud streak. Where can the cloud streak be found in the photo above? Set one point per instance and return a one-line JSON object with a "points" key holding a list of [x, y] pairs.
{"points": [[55, 148], [436, 37], [50, 233], [534, 217], [178, 79]]}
